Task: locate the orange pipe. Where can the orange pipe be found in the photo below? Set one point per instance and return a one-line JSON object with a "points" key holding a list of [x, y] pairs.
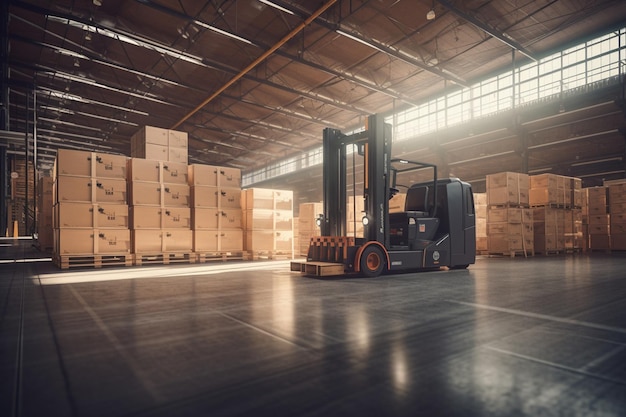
{"points": [[257, 61]]}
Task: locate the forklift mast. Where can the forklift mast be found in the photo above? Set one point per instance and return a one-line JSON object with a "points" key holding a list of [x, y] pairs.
{"points": [[375, 145]]}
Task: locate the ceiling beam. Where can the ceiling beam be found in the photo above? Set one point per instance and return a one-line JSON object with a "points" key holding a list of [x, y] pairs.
{"points": [[502, 37], [256, 62]]}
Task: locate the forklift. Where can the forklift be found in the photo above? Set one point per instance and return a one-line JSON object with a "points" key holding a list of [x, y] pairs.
{"points": [[436, 229]]}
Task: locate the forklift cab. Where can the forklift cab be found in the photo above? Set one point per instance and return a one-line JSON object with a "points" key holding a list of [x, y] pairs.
{"points": [[417, 222]]}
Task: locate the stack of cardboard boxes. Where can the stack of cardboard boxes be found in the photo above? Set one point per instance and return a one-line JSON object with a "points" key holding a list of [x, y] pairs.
{"points": [[480, 207], [617, 208], [509, 218], [598, 218], [216, 214], [307, 226], [268, 222], [159, 144], [90, 213], [557, 210], [159, 199]]}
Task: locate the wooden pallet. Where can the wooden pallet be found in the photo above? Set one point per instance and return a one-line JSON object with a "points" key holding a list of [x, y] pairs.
{"points": [[202, 257], [271, 255], [318, 269], [91, 261], [164, 258], [511, 254]]}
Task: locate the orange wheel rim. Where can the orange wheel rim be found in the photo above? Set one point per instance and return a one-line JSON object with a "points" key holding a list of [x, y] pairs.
{"points": [[373, 261]]}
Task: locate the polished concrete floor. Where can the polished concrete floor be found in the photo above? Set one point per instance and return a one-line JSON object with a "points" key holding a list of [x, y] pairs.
{"points": [[543, 336]]}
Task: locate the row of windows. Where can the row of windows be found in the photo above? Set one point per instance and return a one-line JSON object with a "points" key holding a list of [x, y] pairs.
{"points": [[584, 64]]}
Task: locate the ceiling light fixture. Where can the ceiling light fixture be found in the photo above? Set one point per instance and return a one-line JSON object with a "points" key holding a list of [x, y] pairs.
{"points": [[97, 3], [431, 13], [222, 32], [276, 6]]}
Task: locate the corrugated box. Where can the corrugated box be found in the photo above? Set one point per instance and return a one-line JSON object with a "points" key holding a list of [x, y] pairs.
{"points": [[157, 171], [176, 195], [145, 217], [599, 219], [213, 218], [90, 190], [153, 151], [176, 217], [92, 241], [510, 229], [480, 199], [308, 214], [149, 241], [151, 134], [177, 139], [145, 193], [544, 196], [601, 242], [226, 240], [618, 241], [179, 155], [260, 198], [544, 181], [509, 214], [500, 243], [617, 193], [268, 240], [101, 215], [215, 176], [90, 164], [205, 196], [263, 219]]}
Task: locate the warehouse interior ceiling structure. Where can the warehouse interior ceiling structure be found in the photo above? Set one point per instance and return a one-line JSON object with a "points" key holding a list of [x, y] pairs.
{"points": [[256, 81]]}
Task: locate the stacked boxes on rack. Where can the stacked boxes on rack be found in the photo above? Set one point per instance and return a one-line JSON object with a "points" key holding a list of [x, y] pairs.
{"points": [[307, 226], [216, 214], [509, 219], [159, 198], [617, 208], [598, 218], [90, 214], [480, 207], [557, 209], [45, 236], [159, 144], [268, 221]]}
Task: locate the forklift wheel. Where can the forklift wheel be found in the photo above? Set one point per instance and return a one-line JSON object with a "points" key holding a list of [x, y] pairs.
{"points": [[372, 262]]}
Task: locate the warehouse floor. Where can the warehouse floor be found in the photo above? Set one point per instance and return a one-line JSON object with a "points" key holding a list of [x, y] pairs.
{"points": [[543, 336]]}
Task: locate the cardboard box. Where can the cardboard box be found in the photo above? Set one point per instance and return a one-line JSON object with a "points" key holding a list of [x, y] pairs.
{"points": [[509, 215], [215, 176], [92, 242], [226, 240], [205, 196], [100, 215], [149, 241], [151, 134], [480, 199], [601, 242], [543, 196], [396, 204], [269, 241], [308, 214], [150, 170], [262, 198], [90, 164], [544, 181], [90, 190], [263, 219], [214, 218], [145, 193], [176, 217], [178, 155], [500, 243], [177, 139], [599, 219], [618, 241], [156, 152], [145, 217], [510, 229], [617, 193], [176, 195]]}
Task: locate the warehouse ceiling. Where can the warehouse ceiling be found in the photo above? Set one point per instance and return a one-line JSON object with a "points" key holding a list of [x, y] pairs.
{"points": [[255, 81]]}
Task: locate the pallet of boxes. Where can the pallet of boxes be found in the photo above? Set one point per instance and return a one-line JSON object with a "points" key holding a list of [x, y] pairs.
{"points": [[307, 225], [557, 212], [509, 218], [617, 210], [90, 211], [480, 208], [597, 218], [216, 214], [159, 197], [268, 223]]}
